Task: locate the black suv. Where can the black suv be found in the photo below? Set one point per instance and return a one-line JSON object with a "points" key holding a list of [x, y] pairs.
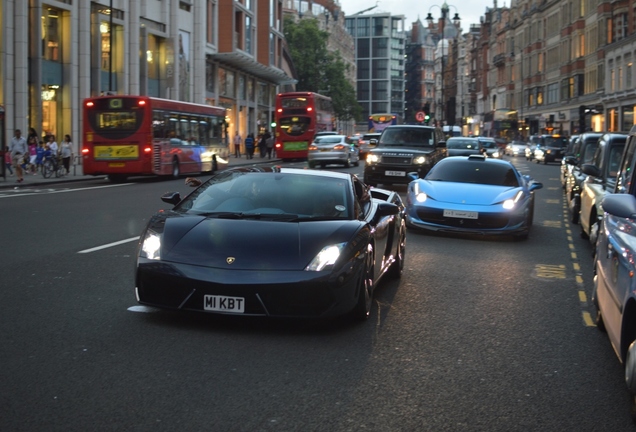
{"points": [[583, 154], [401, 150]]}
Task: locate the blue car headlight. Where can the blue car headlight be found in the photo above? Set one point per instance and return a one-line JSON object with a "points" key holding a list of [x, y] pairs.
{"points": [[510, 204], [151, 246], [326, 258]]}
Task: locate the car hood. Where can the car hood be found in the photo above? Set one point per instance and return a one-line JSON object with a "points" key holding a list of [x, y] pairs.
{"points": [[466, 193], [403, 151], [249, 244]]}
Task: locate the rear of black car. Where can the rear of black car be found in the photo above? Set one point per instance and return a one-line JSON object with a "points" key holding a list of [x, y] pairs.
{"points": [[403, 149]]}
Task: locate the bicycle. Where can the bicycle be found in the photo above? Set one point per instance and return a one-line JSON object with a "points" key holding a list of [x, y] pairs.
{"points": [[52, 165]]}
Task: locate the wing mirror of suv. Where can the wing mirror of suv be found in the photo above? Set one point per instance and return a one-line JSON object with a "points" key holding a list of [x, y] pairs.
{"points": [[620, 205], [373, 142], [591, 170], [441, 144], [570, 160]]}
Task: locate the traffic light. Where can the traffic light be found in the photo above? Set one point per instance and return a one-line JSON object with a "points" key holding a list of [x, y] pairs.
{"points": [[426, 118]]}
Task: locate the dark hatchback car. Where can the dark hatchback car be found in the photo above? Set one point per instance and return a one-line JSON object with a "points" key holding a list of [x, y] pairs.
{"points": [[403, 149]]}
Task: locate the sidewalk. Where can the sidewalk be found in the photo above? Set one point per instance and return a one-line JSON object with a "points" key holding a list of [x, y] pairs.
{"points": [[77, 174]]}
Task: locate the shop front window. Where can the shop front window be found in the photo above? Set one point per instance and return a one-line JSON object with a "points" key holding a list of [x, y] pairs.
{"points": [[51, 35]]}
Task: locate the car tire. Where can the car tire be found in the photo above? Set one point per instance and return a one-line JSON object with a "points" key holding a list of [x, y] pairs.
{"points": [[594, 230], [397, 268], [598, 319], [311, 164], [117, 178], [347, 163], [362, 309], [574, 211]]}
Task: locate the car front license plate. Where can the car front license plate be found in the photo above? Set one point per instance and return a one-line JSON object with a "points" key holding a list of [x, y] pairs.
{"points": [[224, 304], [395, 173], [461, 214]]}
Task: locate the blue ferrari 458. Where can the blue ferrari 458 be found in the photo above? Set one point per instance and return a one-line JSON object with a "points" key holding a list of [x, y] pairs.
{"points": [[472, 195]]}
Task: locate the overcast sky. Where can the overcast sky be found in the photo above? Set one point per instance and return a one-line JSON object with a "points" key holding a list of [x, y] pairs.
{"points": [[469, 10]]}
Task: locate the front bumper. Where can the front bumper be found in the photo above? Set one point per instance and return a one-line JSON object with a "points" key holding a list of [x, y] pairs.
{"points": [[488, 222], [265, 293]]}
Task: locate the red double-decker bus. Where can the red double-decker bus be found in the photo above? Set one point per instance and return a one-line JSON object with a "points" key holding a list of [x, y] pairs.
{"points": [[299, 116], [138, 135]]}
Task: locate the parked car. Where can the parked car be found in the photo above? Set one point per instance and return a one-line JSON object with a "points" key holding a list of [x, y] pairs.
{"points": [[601, 179], [333, 149], [571, 150], [551, 149], [403, 149], [588, 143], [276, 242], [367, 142], [462, 146], [516, 148], [490, 147], [472, 195], [614, 295]]}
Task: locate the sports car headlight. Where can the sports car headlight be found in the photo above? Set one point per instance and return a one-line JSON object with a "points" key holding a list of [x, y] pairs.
{"points": [[327, 257], [420, 160], [151, 246], [373, 159], [509, 204]]}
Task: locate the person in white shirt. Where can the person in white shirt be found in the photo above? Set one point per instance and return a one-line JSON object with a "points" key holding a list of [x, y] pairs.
{"points": [[52, 145], [19, 150]]}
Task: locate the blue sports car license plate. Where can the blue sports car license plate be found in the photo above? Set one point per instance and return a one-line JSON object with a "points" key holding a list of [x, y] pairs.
{"points": [[461, 214], [216, 303]]}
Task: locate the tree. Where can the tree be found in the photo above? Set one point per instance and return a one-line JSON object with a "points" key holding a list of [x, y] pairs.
{"points": [[319, 70]]}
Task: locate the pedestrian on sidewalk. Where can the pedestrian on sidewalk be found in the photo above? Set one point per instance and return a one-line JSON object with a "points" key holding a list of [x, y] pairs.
{"points": [[7, 160], [19, 151], [249, 146], [270, 146], [66, 152], [237, 144]]}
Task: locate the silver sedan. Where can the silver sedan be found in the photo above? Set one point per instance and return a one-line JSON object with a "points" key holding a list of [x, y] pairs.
{"points": [[333, 149]]}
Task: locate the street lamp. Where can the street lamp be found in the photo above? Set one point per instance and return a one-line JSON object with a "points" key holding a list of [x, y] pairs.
{"points": [[445, 8], [520, 119]]}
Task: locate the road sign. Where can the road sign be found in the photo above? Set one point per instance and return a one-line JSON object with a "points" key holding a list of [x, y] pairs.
{"points": [[420, 116]]}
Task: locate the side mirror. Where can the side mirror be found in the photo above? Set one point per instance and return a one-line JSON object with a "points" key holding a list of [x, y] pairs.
{"points": [[591, 170], [413, 176], [620, 205], [373, 142], [441, 144], [173, 198], [387, 209]]}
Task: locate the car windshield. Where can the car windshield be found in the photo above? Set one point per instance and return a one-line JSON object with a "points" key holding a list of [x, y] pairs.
{"points": [[556, 142], [407, 137], [328, 139], [463, 144], [488, 144], [473, 171], [277, 196]]}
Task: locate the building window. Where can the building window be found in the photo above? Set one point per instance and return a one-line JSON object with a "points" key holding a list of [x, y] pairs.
{"points": [[363, 48], [211, 18], [51, 43], [226, 83], [380, 47], [363, 27]]}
